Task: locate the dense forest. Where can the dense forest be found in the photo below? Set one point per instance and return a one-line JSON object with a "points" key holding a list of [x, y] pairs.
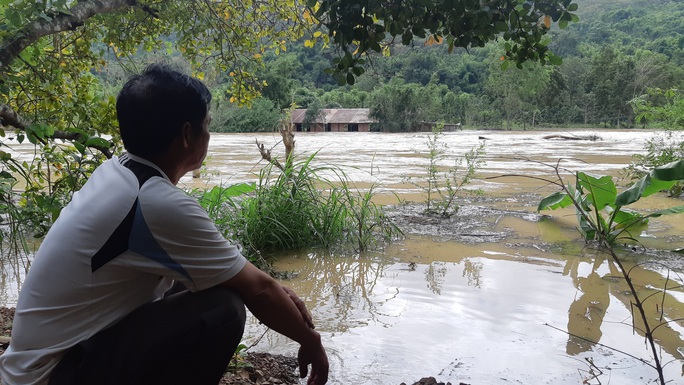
{"points": [[617, 60]]}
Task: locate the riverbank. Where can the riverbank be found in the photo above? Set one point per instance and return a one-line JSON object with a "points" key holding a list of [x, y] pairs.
{"points": [[253, 368]]}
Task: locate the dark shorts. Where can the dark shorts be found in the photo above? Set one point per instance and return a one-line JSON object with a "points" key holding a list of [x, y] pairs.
{"points": [[186, 338]]}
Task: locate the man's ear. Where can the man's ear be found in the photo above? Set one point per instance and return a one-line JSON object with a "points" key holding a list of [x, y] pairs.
{"points": [[187, 134]]}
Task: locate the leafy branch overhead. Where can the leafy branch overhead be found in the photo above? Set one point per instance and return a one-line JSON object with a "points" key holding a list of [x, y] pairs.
{"points": [[50, 49], [360, 27], [61, 62]]}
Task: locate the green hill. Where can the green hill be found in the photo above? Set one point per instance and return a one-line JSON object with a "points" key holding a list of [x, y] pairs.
{"points": [[628, 25]]}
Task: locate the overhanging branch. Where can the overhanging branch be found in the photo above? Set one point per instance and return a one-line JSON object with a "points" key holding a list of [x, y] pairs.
{"points": [[12, 46], [9, 117]]}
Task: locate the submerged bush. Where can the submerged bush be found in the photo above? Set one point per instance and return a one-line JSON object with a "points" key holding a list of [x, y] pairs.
{"points": [[295, 207], [661, 149]]}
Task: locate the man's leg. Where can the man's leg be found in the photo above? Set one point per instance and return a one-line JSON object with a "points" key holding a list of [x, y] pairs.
{"points": [[186, 338]]}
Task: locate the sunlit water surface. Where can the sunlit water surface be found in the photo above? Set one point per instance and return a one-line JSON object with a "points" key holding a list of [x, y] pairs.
{"points": [[478, 313]]}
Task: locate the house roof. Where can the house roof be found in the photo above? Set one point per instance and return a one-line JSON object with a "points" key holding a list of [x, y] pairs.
{"points": [[336, 115]]}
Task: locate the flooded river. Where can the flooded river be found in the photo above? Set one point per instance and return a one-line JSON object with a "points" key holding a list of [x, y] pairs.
{"points": [[492, 308]]}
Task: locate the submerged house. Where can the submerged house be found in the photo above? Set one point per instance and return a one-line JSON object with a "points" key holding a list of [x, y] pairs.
{"points": [[334, 120]]}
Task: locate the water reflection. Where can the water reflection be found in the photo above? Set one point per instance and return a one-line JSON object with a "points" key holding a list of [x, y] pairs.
{"points": [[434, 275], [13, 269], [344, 288], [472, 270], [585, 315], [603, 280], [477, 313]]}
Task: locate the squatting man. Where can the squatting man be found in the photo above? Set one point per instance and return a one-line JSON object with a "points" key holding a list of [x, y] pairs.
{"points": [[96, 306]]}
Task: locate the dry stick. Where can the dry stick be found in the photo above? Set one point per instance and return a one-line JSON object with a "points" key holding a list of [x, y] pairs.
{"points": [[288, 140], [287, 133], [648, 333], [266, 155], [257, 340]]}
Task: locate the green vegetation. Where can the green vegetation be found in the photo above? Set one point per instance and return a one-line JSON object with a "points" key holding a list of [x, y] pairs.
{"points": [[297, 207], [662, 148], [443, 185], [603, 219], [613, 55], [358, 27], [61, 63], [601, 211], [665, 106], [59, 75]]}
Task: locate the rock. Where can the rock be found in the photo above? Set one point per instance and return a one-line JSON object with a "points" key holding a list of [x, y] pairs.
{"points": [[429, 381]]}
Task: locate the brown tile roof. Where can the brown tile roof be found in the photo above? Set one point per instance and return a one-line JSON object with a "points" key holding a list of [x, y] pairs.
{"points": [[297, 116], [341, 115]]}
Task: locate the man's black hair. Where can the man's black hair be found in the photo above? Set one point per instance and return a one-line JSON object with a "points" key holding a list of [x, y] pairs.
{"points": [[153, 106]]}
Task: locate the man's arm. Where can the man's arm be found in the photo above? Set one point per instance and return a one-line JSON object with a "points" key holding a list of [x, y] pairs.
{"points": [[281, 310]]}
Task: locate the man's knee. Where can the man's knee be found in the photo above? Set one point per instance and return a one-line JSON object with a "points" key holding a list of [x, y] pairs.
{"points": [[227, 306]]}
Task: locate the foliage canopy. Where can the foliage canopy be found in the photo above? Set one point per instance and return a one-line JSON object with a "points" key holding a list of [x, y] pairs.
{"points": [[358, 27]]}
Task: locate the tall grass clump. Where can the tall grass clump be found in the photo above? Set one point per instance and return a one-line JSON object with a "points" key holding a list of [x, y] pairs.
{"points": [[295, 206]]}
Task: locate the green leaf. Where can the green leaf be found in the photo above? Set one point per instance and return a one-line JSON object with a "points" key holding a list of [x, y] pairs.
{"points": [[657, 186], [670, 172], [668, 211], [624, 218], [501, 26], [555, 60], [350, 79], [659, 179], [633, 193], [601, 191], [80, 147], [238, 189], [555, 201], [587, 228], [97, 142]]}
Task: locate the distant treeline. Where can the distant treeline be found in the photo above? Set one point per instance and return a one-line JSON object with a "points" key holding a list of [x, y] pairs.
{"points": [[615, 54]]}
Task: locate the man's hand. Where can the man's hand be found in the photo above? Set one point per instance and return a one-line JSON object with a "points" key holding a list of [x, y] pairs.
{"points": [[283, 311], [316, 356], [301, 306]]}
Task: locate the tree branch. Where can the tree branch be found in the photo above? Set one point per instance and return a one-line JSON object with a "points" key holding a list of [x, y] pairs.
{"points": [[12, 46], [8, 117]]}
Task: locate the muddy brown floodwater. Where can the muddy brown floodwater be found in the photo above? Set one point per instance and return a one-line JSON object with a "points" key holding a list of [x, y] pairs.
{"points": [[487, 296]]}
